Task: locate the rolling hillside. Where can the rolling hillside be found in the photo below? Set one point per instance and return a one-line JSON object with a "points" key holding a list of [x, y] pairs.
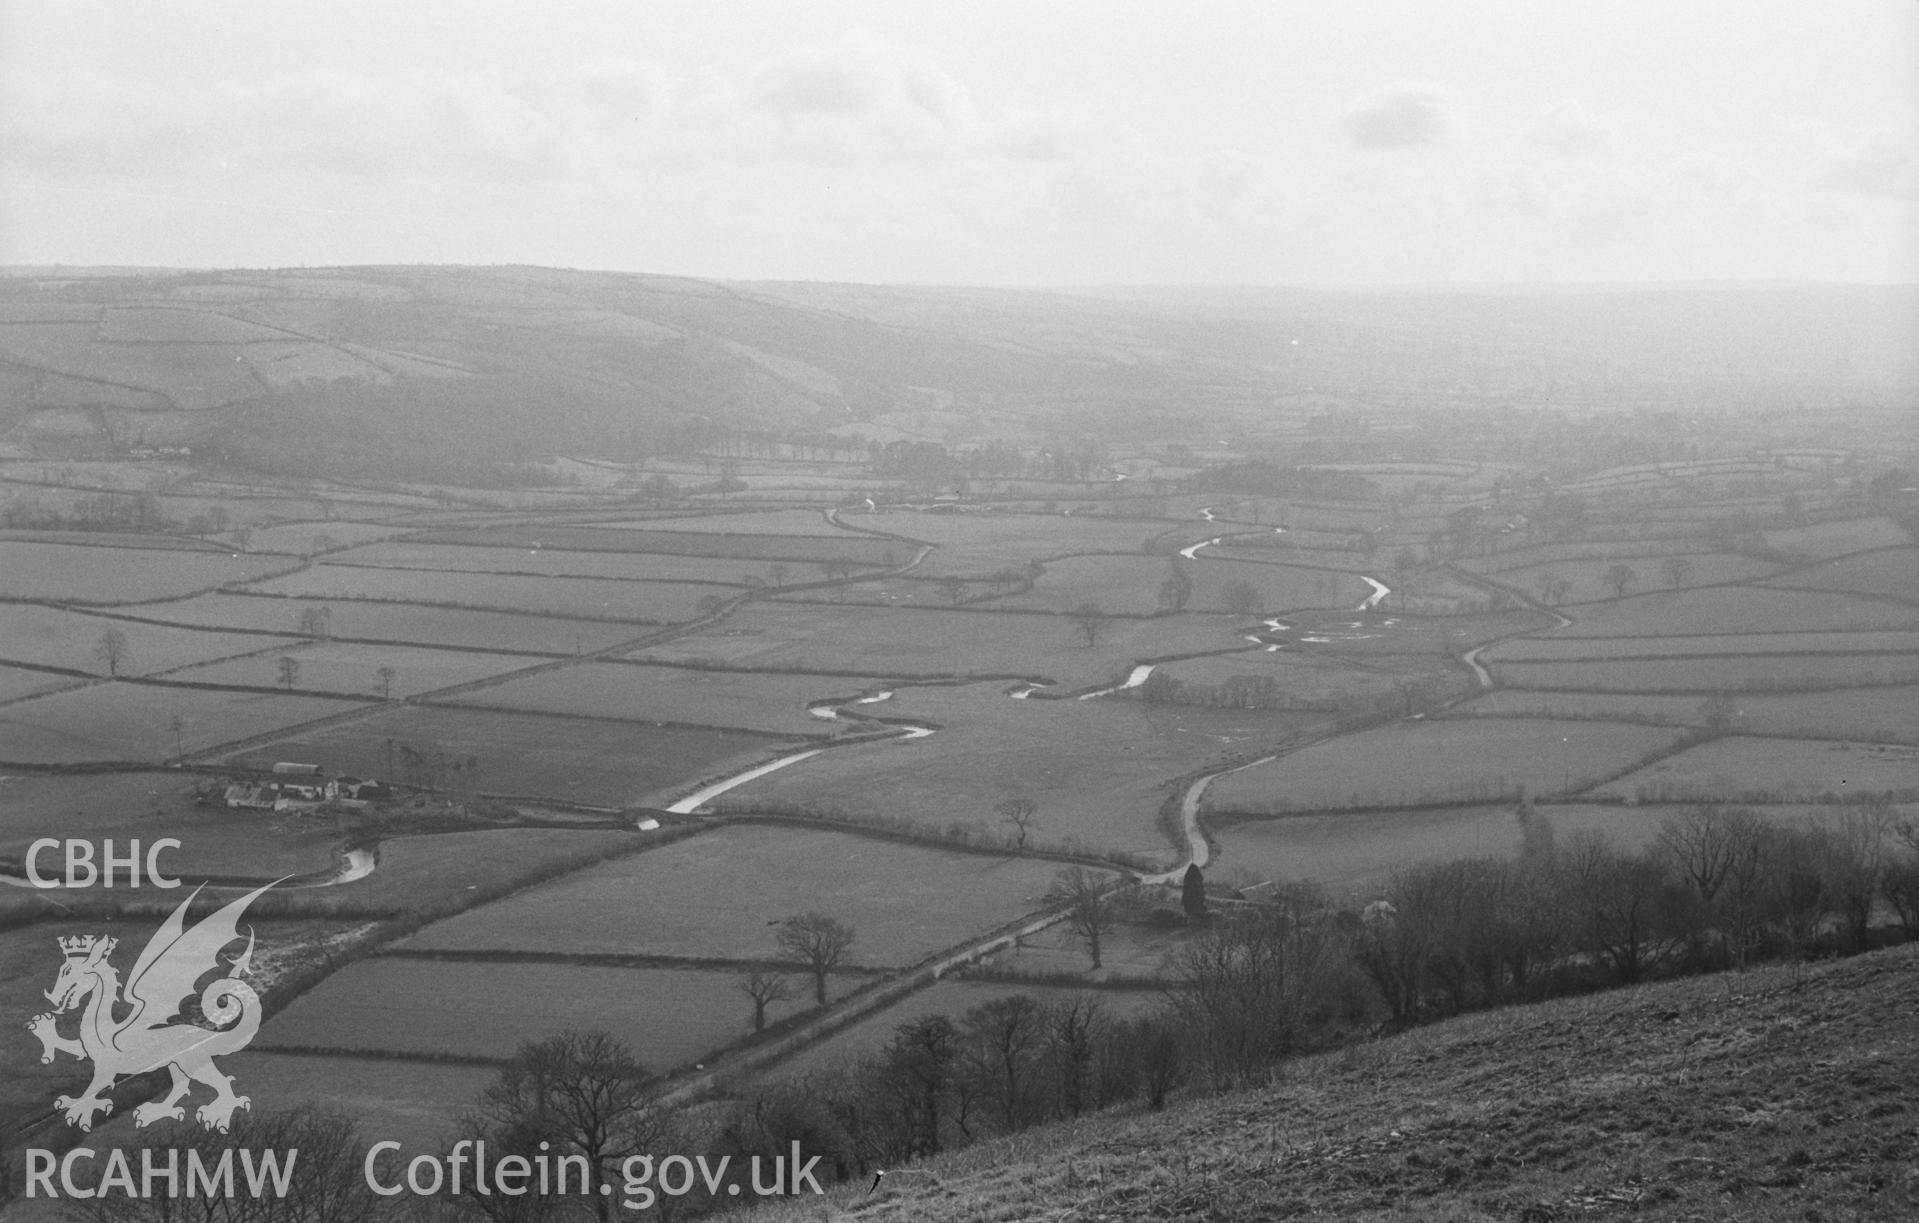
{"points": [[359, 368], [1781, 1094]]}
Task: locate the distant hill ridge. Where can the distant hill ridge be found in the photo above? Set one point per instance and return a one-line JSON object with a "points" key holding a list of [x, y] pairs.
{"points": [[370, 364]]}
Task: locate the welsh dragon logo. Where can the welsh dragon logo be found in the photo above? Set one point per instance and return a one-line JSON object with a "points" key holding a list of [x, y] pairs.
{"points": [[149, 1030]]}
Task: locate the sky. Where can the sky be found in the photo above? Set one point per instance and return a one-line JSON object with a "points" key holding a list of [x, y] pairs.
{"points": [[1004, 142]]}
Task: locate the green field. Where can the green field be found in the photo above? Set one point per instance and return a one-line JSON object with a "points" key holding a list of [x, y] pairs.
{"points": [[1737, 609], [1893, 573], [590, 598], [60, 573], [749, 700], [903, 642], [588, 761], [1828, 539], [55, 637], [1057, 753], [788, 549], [1744, 769], [406, 1005], [306, 538], [555, 562], [400, 622], [1561, 649], [134, 722], [413, 1102], [354, 668], [1587, 580], [1131, 584], [17, 682], [749, 522], [1749, 673], [979, 544], [1889, 714], [719, 895], [1410, 763]]}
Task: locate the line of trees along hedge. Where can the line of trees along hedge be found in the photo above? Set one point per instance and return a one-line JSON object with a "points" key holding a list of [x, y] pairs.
{"points": [[1250, 988]]}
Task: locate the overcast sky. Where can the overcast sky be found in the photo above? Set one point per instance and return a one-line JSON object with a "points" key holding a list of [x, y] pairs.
{"points": [[1321, 142]]}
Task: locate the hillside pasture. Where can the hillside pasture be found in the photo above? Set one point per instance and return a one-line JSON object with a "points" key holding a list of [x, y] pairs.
{"points": [[1830, 539], [745, 699], [353, 668], [1736, 609], [554, 562], [1893, 573], [1309, 677], [913, 643], [61, 573], [122, 721], [1098, 769], [585, 598], [18, 682], [1587, 580], [788, 549], [398, 623], [1414, 763], [1740, 768], [614, 764], [720, 894], [434, 1008], [1286, 550], [1735, 673]]}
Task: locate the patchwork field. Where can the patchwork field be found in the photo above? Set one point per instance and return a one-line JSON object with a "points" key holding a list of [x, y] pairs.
{"points": [[555, 562], [1737, 609], [17, 682], [134, 722], [1743, 769], [582, 760], [1750, 673], [1557, 649], [1055, 753], [1355, 853], [433, 1008], [1893, 573], [720, 894], [590, 598], [1412, 763], [1889, 714], [458, 628], [750, 522], [413, 1102], [1828, 539], [54, 637], [750, 700], [790, 549], [979, 544], [1130, 584], [354, 668], [886, 641], [1588, 581], [57, 572]]}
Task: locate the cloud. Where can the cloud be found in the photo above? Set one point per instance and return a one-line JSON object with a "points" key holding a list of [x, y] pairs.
{"points": [[1569, 131], [1881, 166], [1404, 116]]}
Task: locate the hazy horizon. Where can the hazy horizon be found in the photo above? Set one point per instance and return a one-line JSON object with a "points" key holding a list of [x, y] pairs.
{"points": [[1378, 144]]}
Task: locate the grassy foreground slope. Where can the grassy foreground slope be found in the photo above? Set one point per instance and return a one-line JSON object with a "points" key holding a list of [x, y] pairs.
{"points": [[1784, 1093]]}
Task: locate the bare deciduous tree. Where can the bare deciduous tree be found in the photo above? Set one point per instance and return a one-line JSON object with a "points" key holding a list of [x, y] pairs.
{"points": [[112, 650], [1019, 813], [764, 989], [1091, 623], [1089, 908], [817, 941]]}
